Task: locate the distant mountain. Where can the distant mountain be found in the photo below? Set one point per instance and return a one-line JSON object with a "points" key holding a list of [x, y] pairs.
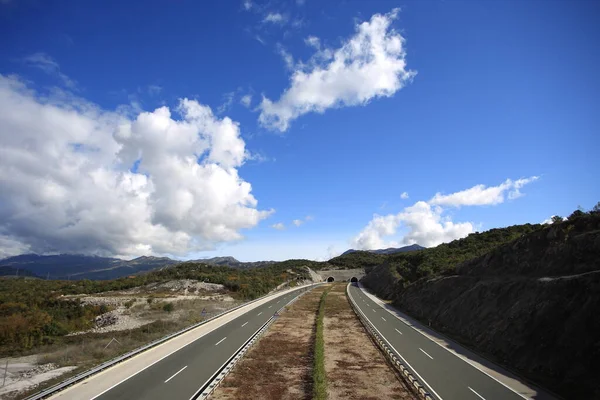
{"points": [[390, 250], [75, 266], [233, 263], [6, 271]]}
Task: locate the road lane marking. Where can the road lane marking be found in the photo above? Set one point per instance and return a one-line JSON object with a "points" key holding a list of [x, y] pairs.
{"points": [[398, 331], [402, 319], [425, 353], [278, 302], [270, 306], [244, 324], [175, 374], [397, 352], [220, 341], [480, 396], [373, 310], [383, 319], [260, 313]]}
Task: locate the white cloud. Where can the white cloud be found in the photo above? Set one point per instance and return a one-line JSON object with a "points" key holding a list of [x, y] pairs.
{"points": [[404, 195], [300, 2], [313, 41], [154, 90], [247, 5], [286, 56], [246, 100], [425, 223], [279, 226], [47, 64], [368, 65], [227, 102], [548, 221], [66, 183], [297, 222], [275, 18], [309, 218], [481, 195]]}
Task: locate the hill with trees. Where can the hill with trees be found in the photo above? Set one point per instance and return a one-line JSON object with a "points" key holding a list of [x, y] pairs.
{"points": [[526, 297]]}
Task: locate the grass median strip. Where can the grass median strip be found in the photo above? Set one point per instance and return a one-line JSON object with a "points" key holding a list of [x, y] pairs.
{"points": [[280, 364], [319, 375], [355, 367]]}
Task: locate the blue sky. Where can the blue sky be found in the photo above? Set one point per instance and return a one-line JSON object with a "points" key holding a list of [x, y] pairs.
{"points": [[466, 93]]}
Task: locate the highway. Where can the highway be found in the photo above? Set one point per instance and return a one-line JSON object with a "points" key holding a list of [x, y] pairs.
{"points": [[181, 374], [447, 376]]}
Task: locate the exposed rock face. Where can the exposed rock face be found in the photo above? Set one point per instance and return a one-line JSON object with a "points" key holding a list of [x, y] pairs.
{"points": [[532, 305]]}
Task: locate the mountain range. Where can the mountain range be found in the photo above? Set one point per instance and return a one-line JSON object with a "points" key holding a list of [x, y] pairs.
{"points": [[390, 250]]}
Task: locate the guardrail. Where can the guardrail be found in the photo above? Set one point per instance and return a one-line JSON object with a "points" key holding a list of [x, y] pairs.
{"points": [[406, 373], [213, 383], [86, 374]]}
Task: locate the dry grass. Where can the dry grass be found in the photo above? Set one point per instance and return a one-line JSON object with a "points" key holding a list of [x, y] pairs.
{"points": [[279, 366], [355, 367]]}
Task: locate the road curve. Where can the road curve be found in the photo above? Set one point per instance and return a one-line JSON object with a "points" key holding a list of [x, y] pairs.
{"points": [[180, 374], [444, 374]]}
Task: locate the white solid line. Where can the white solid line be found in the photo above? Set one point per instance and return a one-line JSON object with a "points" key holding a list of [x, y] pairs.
{"points": [[260, 313], [398, 331], [383, 319], [220, 341], [244, 324], [403, 359], [453, 353], [182, 370], [480, 396], [425, 353]]}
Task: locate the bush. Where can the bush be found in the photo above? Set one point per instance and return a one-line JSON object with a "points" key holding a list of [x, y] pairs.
{"points": [[168, 307]]}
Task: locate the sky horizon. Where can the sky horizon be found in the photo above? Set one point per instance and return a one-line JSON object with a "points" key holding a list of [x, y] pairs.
{"points": [[272, 130]]}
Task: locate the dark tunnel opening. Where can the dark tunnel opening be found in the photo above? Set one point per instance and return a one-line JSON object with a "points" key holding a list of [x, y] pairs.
{"points": [[354, 279], [330, 279]]}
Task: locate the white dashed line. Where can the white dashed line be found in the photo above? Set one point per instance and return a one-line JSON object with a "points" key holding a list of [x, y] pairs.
{"points": [[424, 352], [259, 313], [398, 331], [270, 306], [373, 310], [186, 367], [220, 341], [383, 319], [244, 324], [480, 396]]}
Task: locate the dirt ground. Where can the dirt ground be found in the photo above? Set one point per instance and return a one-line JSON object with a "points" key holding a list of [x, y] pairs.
{"points": [[279, 366], [355, 367]]}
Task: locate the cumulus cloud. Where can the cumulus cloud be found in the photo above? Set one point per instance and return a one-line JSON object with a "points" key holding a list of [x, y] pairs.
{"points": [[424, 223], [480, 195], [47, 64], [247, 5], [279, 226], [297, 222], [368, 65], [286, 56], [80, 179], [404, 196]]}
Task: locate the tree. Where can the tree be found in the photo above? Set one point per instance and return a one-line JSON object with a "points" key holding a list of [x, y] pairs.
{"points": [[576, 213], [557, 219], [596, 209]]}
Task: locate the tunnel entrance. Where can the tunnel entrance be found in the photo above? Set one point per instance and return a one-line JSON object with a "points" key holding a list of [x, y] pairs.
{"points": [[330, 279], [353, 279]]}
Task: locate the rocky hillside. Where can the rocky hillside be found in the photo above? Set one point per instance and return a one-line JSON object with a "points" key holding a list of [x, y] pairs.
{"points": [[530, 304]]}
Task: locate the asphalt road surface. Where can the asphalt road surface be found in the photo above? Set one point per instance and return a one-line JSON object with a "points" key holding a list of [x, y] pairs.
{"points": [[180, 375], [447, 376]]}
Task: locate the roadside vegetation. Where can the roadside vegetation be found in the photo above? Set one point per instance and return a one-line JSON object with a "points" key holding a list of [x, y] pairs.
{"points": [[36, 312]]}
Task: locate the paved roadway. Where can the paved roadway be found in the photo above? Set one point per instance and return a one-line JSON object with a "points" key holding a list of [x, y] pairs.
{"points": [[448, 377], [181, 374]]}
